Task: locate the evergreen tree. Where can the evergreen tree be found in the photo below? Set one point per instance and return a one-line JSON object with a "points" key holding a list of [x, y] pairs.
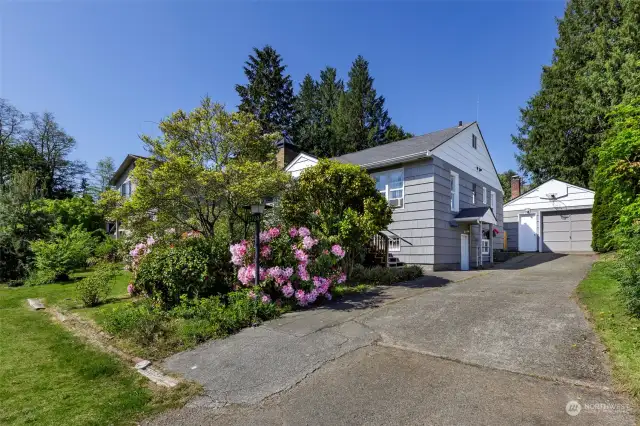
{"points": [[307, 118], [595, 66], [330, 89], [268, 94], [361, 119]]}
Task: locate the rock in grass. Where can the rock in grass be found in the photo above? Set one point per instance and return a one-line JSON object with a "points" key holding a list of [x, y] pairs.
{"points": [[35, 304]]}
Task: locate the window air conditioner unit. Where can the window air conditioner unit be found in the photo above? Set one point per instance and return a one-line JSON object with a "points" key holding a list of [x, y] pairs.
{"points": [[395, 203]]}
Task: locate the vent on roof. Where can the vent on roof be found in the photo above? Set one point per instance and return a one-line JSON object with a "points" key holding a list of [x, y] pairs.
{"points": [[460, 123]]}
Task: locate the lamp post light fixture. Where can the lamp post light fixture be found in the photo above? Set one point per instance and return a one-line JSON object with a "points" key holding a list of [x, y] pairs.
{"points": [[257, 210]]}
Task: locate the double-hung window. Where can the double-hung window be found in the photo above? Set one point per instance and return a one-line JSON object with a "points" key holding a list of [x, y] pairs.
{"points": [[391, 185], [484, 195], [455, 192], [485, 246], [125, 189], [493, 202]]}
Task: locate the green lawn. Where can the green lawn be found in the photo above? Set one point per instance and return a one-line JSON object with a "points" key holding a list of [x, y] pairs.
{"points": [[619, 331], [48, 376]]}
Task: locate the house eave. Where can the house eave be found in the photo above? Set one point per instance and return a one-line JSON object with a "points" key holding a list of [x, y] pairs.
{"points": [[397, 160]]}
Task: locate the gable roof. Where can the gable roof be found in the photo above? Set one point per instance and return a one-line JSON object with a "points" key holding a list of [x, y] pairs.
{"points": [[404, 150], [541, 185], [128, 161]]}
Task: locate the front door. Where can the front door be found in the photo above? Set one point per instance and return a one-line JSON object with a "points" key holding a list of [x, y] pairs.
{"points": [[527, 232], [464, 252]]}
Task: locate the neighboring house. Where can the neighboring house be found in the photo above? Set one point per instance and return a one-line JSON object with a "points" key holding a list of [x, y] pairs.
{"points": [[554, 217], [121, 181], [445, 192]]}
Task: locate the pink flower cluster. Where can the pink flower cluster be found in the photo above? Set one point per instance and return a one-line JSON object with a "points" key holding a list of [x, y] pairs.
{"points": [[280, 275], [304, 280], [268, 235], [247, 274], [337, 250], [238, 252]]}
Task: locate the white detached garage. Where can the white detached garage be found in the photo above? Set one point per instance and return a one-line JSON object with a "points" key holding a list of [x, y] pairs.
{"points": [[554, 217]]}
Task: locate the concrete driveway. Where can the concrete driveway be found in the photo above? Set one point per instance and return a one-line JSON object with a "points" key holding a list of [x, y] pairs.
{"points": [[505, 346]]}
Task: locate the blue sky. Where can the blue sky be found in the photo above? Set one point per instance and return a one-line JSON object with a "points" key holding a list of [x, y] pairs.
{"points": [[110, 69]]}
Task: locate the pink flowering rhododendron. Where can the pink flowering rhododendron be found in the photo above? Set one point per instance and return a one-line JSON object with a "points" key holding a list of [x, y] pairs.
{"points": [[337, 250], [294, 265]]}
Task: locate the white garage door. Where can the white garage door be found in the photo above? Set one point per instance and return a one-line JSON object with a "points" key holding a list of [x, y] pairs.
{"points": [[566, 231]]}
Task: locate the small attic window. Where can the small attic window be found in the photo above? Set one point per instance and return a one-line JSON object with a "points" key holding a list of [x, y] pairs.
{"points": [[474, 141]]}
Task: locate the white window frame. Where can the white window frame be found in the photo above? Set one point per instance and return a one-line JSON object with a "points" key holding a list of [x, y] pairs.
{"points": [[474, 188], [484, 195], [486, 247], [493, 202], [455, 191], [474, 141], [394, 244], [387, 190]]}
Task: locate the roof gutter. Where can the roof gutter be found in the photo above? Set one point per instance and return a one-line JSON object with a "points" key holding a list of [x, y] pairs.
{"points": [[397, 160]]}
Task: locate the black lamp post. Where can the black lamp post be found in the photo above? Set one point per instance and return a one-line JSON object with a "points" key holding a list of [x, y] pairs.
{"points": [[257, 210]]}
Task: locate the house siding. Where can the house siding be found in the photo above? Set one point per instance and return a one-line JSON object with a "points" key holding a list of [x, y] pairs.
{"points": [[447, 241], [425, 219]]}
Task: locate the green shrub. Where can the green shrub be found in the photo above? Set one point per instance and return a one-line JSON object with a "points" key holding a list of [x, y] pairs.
{"points": [[384, 276], [194, 267], [41, 277], [108, 250], [66, 251], [190, 322], [627, 272], [15, 283], [95, 288], [142, 322]]}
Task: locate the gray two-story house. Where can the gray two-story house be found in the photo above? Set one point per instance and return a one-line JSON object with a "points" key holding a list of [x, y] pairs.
{"points": [[445, 192]]}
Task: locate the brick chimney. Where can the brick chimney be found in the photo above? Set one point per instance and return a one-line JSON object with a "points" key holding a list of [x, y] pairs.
{"points": [[515, 186]]}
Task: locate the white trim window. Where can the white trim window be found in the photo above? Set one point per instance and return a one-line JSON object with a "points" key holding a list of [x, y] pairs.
{"points": [[485, 246], [391, 185], [484, 195], [474, 188], [474, 141], [493, 202], [125, 189], [394, 244], [455, 192]]}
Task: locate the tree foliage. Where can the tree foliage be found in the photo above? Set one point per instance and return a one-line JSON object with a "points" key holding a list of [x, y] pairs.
{"points": [[595, 66], [20, 223], [505, 182], [338, 201], [268, 94], [616, 206], [104, 171], [207, 165]]}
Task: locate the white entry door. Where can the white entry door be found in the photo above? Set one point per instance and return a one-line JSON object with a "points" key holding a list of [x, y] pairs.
{"points": [[527, 234], [464, 252]]}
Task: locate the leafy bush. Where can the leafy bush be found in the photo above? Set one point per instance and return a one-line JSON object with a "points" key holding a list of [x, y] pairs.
{"points": [[41, 277], [66, 251], [142, 322], [617, 178], [108, 250], [339, 202], [97, 286], [627, 272], [384, 276], [195, 267], [192, 321]]}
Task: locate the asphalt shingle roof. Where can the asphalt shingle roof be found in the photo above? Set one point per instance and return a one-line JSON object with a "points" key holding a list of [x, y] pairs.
{"points": [[394, 152]]}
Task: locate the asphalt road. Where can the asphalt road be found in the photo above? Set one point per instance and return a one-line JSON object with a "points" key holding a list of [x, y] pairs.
{"points": [[507, 346]]}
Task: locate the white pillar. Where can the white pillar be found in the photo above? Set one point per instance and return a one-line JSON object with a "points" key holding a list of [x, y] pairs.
{"points": [[490, 243], [479, 247]]}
